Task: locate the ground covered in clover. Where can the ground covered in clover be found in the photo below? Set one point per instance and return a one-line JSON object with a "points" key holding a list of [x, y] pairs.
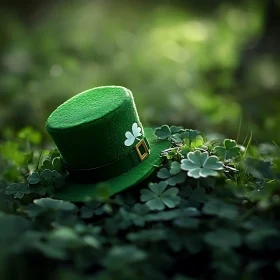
{"points": [[211, 211]]}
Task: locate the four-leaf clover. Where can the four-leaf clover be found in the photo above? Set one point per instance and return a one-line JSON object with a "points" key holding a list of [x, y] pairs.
{"points": [[157, 198], [136, 132], [200, 164]]}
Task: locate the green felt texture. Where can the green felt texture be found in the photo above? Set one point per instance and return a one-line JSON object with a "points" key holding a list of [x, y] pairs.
{"points": [[118, 167], [88, 106], [89, 129], [82, 192]]}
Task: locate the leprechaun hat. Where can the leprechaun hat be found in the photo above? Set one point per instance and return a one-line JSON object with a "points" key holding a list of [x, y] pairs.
{"points": [[102, 143]]}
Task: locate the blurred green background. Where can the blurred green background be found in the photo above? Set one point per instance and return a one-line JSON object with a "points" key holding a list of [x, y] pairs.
{"points": [[209, 65]]}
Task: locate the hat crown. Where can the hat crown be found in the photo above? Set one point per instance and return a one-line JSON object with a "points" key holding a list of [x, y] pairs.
{"points": [[96, 127]]}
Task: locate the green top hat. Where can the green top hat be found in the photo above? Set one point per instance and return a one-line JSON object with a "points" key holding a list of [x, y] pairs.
{"points": [[102, 143]]}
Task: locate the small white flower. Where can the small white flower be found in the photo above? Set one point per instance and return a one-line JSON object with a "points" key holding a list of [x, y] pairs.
{"points": [[136, 131]]}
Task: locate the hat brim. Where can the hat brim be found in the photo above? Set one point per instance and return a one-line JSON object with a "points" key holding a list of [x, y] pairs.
{"points": [[77, 192]]}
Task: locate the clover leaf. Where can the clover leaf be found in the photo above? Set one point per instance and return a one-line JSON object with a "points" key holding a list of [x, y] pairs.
{"points": [[190, 134], [186, 222], [118, 256], [175, 168], [52, 177], [138, 214], [88, 210], [125, 199], [163, 132], [47, 164], [53, 164], [200, 164], [40, 190], [57, 164], [18, 190], [163, 173], [55, 204], [46, 173], [197, 142], [157, 198], [223, 238], [189, 137], [176, 179], [192, 137], [185, 149], [176, 129], [176, 138], [174, 176], [33, 178], [260, 169], [220, 209], [229, 149], [137, 217]]}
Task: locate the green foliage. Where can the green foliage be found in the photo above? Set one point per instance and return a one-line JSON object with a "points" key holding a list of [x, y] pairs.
{"points": [[229, 149], [163, 132], [18, 190], [200, 164], [34, 178], [223, 239], [157, 198], [220, 208], [31, 135], [218, 222], [260, 169], [173, 176], [49, 203]]}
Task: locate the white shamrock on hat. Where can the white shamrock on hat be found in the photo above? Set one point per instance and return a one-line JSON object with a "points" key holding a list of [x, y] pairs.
{"points": [[136, 131]]}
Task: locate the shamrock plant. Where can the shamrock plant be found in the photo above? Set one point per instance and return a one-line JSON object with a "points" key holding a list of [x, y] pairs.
{"points": [[163, 132], [157, 197], [18, 190], [200, 164], [53, 164], [48, 177], [208, 206], [173, 176], [46, 181], [179, 135], [229, 149]]}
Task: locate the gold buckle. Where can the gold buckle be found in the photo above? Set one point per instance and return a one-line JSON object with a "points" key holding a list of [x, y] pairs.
{"points": [[146, 153]]}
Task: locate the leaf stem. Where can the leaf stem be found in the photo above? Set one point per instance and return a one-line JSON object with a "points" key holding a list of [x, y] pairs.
{"points": [[37, 166]]}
